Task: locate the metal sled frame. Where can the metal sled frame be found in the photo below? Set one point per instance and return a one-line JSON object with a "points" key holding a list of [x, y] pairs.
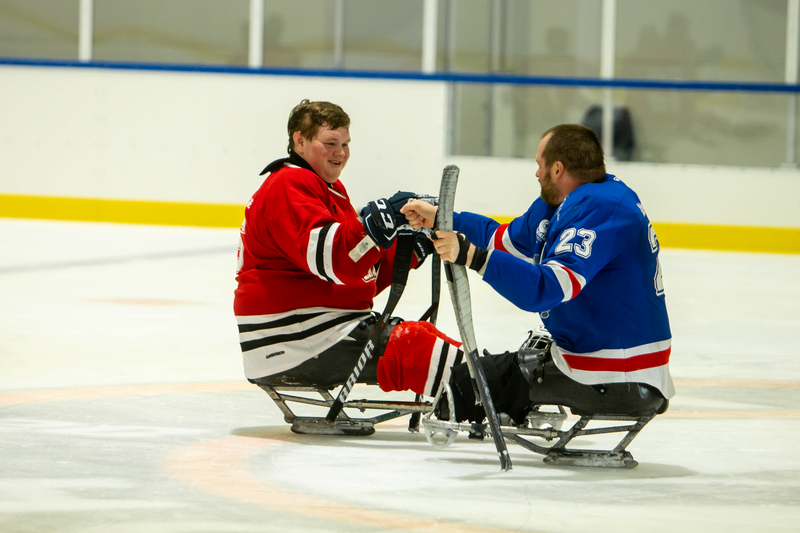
{"points": [[547, 425], [344, 423]]}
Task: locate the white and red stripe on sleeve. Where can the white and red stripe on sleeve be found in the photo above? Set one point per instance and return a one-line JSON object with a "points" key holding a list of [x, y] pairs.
{"points": [[571, 282], [501, 240]]}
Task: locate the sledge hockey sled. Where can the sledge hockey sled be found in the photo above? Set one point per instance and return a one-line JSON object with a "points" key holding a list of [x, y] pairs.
{"points": [[541, 423], [338, 421], [345, 424], [546, 424]]}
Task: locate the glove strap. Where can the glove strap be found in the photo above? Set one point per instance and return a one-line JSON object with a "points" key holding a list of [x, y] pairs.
{"points": [[478, 259], [463, 249]]}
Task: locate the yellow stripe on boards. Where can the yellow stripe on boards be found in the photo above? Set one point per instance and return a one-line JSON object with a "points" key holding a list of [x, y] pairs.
{"points": [[718, 237], [728, 238], [123, 211], [670, 234]]}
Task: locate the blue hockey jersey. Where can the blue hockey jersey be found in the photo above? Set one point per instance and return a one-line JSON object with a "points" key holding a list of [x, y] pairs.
{"points": [[590, 268]]}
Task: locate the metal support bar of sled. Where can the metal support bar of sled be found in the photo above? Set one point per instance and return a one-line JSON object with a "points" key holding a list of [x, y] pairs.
{"points": [[344, 423], [557, 453]]}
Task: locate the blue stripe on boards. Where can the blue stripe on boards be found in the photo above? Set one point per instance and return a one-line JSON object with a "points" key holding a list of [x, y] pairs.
{"points": [[457, 77]]}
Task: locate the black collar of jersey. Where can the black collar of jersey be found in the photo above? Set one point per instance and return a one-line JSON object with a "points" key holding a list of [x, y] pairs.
{"points": [[293, 159]]}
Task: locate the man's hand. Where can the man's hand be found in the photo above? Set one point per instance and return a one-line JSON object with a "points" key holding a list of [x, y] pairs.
{"points": [[419, 214], [449, 247]]}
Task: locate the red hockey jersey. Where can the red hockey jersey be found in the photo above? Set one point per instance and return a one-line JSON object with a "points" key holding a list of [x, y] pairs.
{"points": [[307, 271]]}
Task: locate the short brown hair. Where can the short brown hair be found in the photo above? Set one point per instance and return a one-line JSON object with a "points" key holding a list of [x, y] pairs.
{"points": [[307, 117], [578, 149]]}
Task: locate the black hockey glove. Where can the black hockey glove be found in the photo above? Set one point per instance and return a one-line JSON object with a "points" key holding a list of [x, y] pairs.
{"points": [[382, 218], [478, 256], [401, 198], [423, 247]]}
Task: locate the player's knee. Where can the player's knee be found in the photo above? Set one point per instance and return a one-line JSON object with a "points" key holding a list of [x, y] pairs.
{"points": [[417, 358]]}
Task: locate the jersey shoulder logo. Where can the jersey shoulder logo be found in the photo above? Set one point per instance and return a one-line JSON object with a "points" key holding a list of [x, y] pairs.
{"points": [[541, 231]]}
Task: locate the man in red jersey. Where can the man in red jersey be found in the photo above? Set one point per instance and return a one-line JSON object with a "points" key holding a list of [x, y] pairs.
{"points": [[309, 267]]}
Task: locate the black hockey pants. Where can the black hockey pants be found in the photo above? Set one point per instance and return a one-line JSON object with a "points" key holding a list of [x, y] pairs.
{"points": [[513, 395], [332, 367]]}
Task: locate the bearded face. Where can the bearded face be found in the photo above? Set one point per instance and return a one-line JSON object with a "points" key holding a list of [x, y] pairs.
{"points": [[549, 193]]}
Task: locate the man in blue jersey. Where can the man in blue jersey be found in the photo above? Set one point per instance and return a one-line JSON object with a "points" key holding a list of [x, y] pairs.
{"points": [[585, 257]]}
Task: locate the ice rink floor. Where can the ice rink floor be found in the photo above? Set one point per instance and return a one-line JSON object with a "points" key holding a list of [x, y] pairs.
{"points": [[123, 407]]}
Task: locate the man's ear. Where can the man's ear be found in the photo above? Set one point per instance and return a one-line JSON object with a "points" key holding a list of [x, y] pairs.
{"points": [[559, 168], [299, 141]]}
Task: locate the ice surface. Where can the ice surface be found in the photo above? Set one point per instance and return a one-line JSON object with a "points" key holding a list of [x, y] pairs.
{"points": [[123, 406]]}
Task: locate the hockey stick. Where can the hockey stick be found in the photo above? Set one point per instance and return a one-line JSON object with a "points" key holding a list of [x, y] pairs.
{"points": [[436, 284], [431, 314], [459, 292], [404, 250]]}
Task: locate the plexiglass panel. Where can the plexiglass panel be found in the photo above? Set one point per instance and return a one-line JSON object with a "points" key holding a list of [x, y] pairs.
{"points": [[464, 27], [524, 37], [717, 40], [538, 37], [39, 28], [383, 35], [299, 33], [508, 120], [172, 31], [376, 34], [554, 38], [709, 128]]}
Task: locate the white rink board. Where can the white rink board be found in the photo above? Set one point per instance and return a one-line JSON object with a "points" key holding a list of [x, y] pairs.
{"points": [[204, 137]]}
